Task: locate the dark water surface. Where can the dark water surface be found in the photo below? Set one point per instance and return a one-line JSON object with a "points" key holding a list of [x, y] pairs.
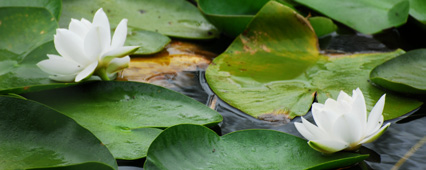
{"points": [[402, 146]]}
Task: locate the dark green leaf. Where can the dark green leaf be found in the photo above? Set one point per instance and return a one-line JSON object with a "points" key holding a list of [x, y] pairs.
{"points": [[275, 68], [231, 17], [322, 25], [177, 18], [197, 147], [418, 10], [405, 73], [125, 115], [365, 16], [34, 136]]}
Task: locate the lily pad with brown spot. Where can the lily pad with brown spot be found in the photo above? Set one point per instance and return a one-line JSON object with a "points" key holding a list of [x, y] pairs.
{"points": [[275, 67]]}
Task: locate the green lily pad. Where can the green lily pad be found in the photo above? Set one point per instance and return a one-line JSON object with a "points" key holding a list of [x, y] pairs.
{"points": [[322, 25], [148, 41], [405, 73], [24, 28], [365, 16], [276, 70], [176, 18], [19, 75], [34, 136], [54, 6], [197, 147], [126, 116], [418, 10]]}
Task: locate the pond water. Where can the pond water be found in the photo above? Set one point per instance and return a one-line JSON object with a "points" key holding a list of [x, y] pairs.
{"points": [[401, 146]]}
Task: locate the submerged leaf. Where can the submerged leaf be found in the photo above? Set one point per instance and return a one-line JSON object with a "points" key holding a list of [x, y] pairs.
{"points": [[197, 147], [126, 116], [34, 136], [275, 69]]}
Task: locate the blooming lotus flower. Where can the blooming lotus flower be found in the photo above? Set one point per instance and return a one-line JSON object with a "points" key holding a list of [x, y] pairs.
{"points": [[343, 124], [86, 49]]}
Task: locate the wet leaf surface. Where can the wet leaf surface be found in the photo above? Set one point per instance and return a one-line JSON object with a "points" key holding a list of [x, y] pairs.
{"points": [[197, 147], [405, 73], [176, 18], [275, 70], [34, 136], [126, 116]]}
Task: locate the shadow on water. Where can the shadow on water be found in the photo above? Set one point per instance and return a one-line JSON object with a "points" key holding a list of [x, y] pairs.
{"points": [[400, 147]]}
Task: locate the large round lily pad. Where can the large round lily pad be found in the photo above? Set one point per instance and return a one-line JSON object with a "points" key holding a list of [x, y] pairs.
{"points": [[363, 15], [197, 147], [405, 73], [177, 18], [34, 136], [275, 69], [126, 116]]}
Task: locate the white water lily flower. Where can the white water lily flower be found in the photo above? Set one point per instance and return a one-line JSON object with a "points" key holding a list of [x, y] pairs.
{"points": [[86, 49], [343, 124]]}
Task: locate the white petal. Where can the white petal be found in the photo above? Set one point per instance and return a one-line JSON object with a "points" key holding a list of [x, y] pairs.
{"points": [[344, 97], [328, 146], [336, 107], [359, 109], [86, 22], [70, 46], [118, 53], [347, 128], [118, 64], [92, 43], [375, 135], [120, 35], [100, 19], [315, 132], [87, 72], [78, 28], [375, 119], [58, 65], [63, 78], [303, 131], [323, 119]]}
